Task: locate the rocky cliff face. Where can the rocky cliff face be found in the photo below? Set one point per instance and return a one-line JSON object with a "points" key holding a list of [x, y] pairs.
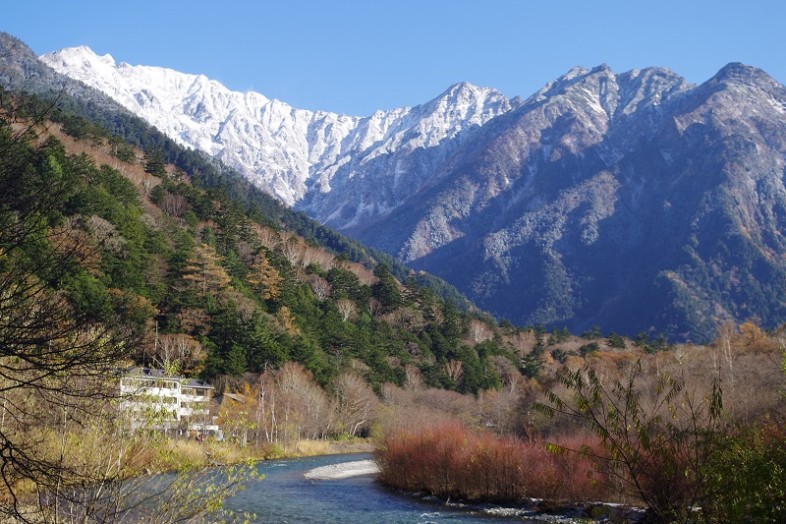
{"points": [[633, 201]]}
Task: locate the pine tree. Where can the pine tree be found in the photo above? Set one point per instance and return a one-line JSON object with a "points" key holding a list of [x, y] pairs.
{"points": [[386, 288], [155, 163]]}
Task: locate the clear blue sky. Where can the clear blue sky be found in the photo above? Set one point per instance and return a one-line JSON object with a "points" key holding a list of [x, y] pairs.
{"points": [[357, 56]]}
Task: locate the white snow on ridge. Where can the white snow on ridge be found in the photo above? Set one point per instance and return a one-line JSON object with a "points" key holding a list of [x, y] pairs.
{"points": [[284, 150]]}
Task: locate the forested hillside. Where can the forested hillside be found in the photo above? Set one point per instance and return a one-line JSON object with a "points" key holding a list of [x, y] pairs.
{"points": [[211, 283], [633, 200]]}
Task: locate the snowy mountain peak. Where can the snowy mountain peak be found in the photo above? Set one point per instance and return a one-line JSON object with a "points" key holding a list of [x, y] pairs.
{"points": [[82, 52], [601, 91], [572, 73], [464, 94], [602, 68], [82, 60], [287, 151], [466, 90], [742, 74]]}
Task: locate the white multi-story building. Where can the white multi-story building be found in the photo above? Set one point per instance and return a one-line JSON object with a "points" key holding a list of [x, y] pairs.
{"points": [[153, 399]]}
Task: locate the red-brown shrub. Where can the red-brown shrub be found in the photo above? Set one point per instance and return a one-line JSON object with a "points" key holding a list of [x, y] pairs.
{"points": [[449, 460]]}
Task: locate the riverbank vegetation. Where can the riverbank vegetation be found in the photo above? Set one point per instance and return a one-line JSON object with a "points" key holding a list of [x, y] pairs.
{"points": [[449, 460], [693, 434]]}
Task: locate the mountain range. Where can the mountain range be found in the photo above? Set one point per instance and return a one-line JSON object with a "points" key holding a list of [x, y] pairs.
{"points": [[637, 201]]}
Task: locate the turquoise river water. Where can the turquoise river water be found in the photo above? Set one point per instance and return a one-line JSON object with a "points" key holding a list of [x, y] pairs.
{"points": [[286, 496]]}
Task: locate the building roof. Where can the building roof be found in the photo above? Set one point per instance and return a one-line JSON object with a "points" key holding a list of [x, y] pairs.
{"points": [[154, 373]]}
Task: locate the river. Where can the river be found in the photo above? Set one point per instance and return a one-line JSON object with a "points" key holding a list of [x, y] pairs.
{"points": [[286, 496]]}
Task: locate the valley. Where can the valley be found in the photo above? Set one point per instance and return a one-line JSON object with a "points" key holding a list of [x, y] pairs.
{"points": [[618, 238]]}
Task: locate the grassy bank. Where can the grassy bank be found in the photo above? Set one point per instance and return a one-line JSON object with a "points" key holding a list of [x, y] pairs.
{"points": [[177, 454], [115, 471]]}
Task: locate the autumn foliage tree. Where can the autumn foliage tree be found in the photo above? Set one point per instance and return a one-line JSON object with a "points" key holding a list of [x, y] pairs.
{"points": [[292, 406], [203, 272], [264, 278], [238, 414]]}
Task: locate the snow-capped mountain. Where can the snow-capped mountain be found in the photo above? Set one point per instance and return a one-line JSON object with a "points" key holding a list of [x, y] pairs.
{"points": [[289, 152], [632, 201]]}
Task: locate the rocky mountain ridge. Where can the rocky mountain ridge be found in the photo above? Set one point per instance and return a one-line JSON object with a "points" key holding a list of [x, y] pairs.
{"points": [[634, 201]]}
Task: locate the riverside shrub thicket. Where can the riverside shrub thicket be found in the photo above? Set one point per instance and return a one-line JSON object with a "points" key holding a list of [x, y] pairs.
{"points": [[451, 461]]}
